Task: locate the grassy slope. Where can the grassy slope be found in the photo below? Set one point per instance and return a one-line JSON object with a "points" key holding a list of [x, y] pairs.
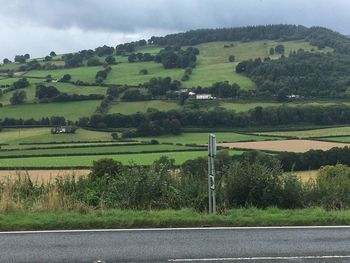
{"points": [[114, 218], [142, 106], [213, 65], [129, 73], [86, 74]]}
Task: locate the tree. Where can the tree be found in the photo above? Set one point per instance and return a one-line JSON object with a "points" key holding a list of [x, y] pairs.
{"points": [[47, 58], [279, 49], [21, 83], [27, 56], [66, 78], [6, 61], [272, 51], [231, 58], [20, 59], [52, 54], [132, 58], [143, 71], [110, 60], [93, 62], [107, 169], [46, 92], [18, 97]]}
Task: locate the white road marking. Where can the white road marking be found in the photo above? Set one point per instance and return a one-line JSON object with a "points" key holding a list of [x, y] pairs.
{"points": [[176, 229], [256, 258]]}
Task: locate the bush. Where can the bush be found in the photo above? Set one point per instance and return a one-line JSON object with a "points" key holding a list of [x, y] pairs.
{"points": [[115, 136]]}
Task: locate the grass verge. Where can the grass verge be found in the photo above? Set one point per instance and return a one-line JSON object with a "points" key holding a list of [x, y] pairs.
{"points": [[114, 218]]}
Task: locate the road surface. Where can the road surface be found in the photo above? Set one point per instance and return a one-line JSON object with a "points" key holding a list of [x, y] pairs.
{"points": [[258, 245]]}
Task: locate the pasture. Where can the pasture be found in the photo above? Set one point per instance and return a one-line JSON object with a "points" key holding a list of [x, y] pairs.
{"points": [[15, 137], [86, 74], [86, 161], [70, 110], [129, 73]]}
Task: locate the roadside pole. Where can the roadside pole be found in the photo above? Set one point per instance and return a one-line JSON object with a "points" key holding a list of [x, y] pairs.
{"points": [[211, 173]]}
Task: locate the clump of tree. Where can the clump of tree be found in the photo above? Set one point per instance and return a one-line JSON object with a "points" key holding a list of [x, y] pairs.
{"points": [[220, 90], [175, 57], [102, 74], [104, 51], [231, 58], [302, 73], [110, 60], [46, 92], [66, 78], [22, 58], [18, 97], [160, 86]]}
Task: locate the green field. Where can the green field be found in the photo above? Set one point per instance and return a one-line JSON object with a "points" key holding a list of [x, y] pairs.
{"points": [[14, 137], [97, 150], [246, 106], [142, 106], [337, 131], [86, 74], [86, 161], [202, 138], [70, 110], [81, 90], [213, 65], [345, 139], [129, 73]]}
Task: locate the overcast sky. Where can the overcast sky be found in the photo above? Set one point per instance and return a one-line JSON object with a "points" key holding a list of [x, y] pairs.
{"points": [[39, 26]]}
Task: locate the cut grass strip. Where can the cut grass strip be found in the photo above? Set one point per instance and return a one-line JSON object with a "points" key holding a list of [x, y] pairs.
{"points": [[115, 218]]}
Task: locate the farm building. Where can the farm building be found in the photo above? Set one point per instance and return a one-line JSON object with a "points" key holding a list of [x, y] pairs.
{"points": [[205, 97], [63, 129]]}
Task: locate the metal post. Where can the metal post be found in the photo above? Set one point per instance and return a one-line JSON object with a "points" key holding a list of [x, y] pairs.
{"points": [[211, 173]]}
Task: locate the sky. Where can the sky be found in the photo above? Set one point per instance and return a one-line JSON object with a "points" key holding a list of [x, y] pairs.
{"points": [[40, 26]]}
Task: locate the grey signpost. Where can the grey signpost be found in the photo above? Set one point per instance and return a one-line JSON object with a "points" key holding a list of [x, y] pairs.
{"points": [[211, 173]]}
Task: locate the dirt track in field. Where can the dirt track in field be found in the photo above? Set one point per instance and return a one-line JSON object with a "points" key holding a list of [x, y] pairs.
{"points": [[297, 146], [42, 175]]}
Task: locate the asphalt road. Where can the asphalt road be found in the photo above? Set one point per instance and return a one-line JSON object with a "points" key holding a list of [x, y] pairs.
{"points": [[259, 245]]}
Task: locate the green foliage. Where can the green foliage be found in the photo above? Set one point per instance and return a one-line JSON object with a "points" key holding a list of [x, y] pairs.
{"points": [[18, 97]]}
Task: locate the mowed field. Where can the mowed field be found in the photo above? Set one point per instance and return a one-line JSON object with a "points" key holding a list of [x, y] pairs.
{"points": [[298, 146]]}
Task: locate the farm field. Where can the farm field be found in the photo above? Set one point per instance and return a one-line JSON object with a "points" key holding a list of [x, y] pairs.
{"points": [[81, 90], [86, 74], [70, 110], [345, 139], [42, 176], [97, 150], [142, 106], [14, 137], [202, 138], [129, 73], [298, 146], [306, 175], [86, 161], [246, 106], [324, 132]]}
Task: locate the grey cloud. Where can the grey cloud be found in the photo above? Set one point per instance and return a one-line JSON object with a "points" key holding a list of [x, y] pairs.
{"points": [[134, 15]]}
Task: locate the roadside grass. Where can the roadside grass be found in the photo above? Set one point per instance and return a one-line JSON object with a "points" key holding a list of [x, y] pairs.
{"points": [[16, 136], [325, 132], [70, 110], [86, 74], [142, 106], [87, 160], [202, 137], [115, 218], [97, 150], [129, 73]]}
